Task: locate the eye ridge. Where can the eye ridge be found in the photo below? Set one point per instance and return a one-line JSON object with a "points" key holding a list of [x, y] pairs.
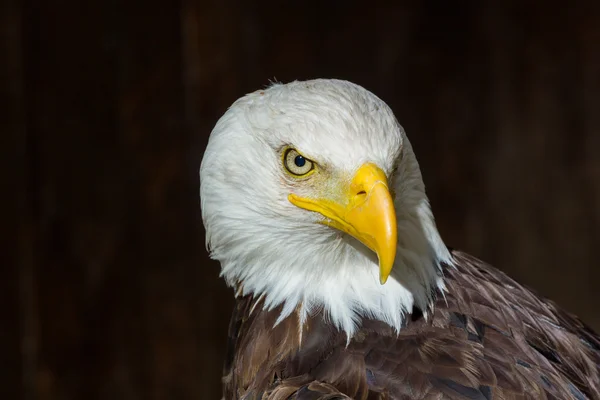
{"points": [[296, 164]]}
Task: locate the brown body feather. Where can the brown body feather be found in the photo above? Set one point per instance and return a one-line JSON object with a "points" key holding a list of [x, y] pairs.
{"points": [[486, 338]]}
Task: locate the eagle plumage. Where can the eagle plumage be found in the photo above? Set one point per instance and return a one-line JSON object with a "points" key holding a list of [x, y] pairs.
{"points": [[488, 337], [314, 205]]}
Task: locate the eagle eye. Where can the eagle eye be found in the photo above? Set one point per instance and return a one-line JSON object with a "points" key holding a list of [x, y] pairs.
{"points": [[296, 164]]}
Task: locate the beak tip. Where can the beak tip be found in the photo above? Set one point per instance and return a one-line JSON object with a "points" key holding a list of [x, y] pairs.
{"points": [[386, 263], [383, 277]]}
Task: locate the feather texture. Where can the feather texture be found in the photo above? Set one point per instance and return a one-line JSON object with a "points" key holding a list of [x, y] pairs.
{"points": [[489, 338]]}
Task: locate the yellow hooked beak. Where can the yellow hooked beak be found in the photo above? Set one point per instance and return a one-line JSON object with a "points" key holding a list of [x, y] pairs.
{"points": [[366, 212]]}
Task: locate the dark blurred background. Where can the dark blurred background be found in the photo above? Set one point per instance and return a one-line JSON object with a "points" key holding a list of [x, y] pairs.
{"points": [[106, 106]]}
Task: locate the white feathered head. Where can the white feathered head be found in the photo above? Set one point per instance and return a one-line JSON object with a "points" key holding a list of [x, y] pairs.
{"points": [[312, 197]]}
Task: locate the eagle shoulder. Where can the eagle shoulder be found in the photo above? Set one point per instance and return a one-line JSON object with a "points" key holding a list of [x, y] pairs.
{"points": [[486, 337], [523, 334]]}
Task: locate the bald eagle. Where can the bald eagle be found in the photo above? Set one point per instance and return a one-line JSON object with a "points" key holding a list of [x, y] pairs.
{"points": [[314, 205]]}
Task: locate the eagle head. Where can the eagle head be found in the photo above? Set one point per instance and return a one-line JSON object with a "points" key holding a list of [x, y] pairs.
{"points": [[312, 199]]}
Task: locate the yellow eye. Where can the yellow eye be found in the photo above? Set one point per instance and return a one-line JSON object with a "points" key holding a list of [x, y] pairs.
{"points": [[296, 163]]}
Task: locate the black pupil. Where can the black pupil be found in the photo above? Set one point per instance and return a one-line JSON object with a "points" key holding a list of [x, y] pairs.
{"points": [[299, 161]]}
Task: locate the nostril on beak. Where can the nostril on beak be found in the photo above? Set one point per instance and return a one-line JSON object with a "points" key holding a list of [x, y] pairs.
{"points": [[360, 196]]}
